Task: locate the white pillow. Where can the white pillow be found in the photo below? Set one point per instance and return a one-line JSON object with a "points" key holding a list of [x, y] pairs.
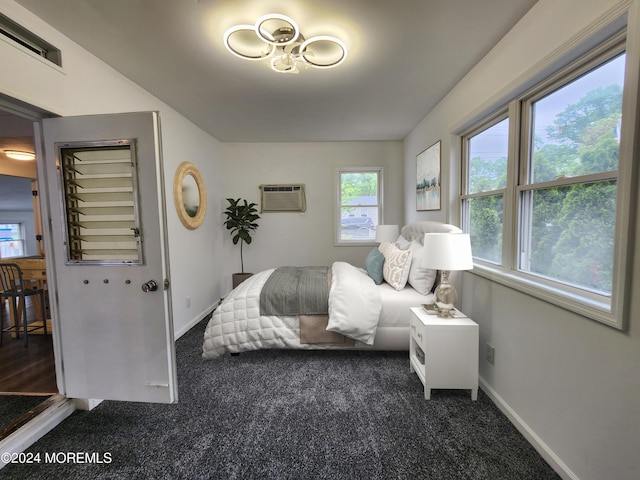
{"points": [[420, 277], [397, 264]]}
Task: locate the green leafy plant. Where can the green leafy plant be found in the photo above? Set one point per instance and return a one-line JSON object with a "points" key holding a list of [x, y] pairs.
{"points": [[241, 220]]}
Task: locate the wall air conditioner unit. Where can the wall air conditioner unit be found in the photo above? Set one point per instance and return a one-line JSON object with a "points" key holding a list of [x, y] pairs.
{"points": [[282, 198]]}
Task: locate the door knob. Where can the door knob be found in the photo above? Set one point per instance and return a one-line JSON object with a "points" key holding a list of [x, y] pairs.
{"points": [[150, 286]]}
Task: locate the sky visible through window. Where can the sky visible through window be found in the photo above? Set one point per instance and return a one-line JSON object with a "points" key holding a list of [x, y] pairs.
{"points": [[491, 145]]}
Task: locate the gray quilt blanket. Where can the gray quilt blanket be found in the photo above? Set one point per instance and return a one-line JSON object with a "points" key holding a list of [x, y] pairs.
{"points": [[296, 291]]}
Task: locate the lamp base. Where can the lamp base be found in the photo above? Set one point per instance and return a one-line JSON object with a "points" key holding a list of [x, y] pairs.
{"points": [[446, 297]]}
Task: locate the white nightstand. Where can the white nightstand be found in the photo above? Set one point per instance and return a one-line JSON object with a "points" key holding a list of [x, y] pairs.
{"points": [[444, 351]]}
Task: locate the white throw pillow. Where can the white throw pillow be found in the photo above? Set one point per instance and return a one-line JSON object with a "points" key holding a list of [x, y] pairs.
{"points": [[420, 277], [397, 264]]}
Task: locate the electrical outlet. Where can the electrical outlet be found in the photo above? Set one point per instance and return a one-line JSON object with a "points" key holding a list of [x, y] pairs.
{"points": [[188, 302], [490, 353]]}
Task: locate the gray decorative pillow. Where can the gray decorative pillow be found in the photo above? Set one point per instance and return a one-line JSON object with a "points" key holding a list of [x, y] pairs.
{"points": [[374, 265], [396, 266]]}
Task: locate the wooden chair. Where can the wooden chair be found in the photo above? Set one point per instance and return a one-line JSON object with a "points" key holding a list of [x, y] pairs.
{"points": [[14, 289]]}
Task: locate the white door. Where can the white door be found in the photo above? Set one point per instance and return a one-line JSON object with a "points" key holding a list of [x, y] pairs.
{"points": [[107, 226]]}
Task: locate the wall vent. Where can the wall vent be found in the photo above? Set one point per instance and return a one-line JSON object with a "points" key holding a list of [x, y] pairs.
{"points": [[282, 198], [14, 33]]}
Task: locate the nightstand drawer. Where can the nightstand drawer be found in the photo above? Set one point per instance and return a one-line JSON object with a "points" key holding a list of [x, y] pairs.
{"points": [[418, 330]]}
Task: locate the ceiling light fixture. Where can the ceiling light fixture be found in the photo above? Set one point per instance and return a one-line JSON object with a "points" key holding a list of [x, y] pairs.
{"points": [[19, 155], [277, 39]]}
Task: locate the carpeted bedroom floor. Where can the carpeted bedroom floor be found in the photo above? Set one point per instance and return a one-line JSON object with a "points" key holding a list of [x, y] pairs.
{"points": [[291, 415]]}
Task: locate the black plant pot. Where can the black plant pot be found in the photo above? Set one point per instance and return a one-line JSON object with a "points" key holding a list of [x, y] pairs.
{"points": [[238, 278]]}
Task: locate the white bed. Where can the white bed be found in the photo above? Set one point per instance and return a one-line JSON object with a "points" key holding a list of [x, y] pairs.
{"points": [[238, 324], [393, 326]]}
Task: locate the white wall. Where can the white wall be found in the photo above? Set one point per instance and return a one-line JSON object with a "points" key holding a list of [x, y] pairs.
{"points": [[304, 238], [85, 85], [572, 382]]}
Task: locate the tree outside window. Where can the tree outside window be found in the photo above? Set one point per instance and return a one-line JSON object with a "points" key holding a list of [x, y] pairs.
{"points": [[569, 202], [486, 151], [546, 194]]}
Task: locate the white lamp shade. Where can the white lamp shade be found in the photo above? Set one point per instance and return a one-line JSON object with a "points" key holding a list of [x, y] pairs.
{"points": [[447, 251], [387, 233]]}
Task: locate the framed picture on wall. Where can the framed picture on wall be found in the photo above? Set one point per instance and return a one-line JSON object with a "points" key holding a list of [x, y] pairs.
{"points": [[428, 178]]}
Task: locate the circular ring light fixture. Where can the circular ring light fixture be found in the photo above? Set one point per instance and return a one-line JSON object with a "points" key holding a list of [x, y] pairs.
{"points": [[287, 48], [243, 42], [326, 51], [277, 29]]}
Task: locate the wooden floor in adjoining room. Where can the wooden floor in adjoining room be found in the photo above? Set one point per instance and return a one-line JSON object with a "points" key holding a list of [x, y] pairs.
{"points": [[30, 370]]}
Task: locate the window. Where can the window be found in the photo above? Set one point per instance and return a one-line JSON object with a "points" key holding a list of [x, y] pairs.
{"points": [[485, 186], [102, 224], [569, 177], [541, 188], [360, 205], [11, 240]]}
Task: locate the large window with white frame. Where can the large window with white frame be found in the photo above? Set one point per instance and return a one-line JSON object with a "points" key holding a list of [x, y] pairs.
{"points": [[359, 204], [540, 192], [569, 176]]}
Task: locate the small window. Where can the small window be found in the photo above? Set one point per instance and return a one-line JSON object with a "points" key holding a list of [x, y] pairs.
{"points": [[11, 240], [360, 205], [100, 203]]}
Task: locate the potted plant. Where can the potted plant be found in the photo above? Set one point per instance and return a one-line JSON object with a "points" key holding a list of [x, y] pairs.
{"points": [[241, 220]]}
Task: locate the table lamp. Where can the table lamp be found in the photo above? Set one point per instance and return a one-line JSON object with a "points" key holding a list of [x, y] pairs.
{"points": [[446, 252]]}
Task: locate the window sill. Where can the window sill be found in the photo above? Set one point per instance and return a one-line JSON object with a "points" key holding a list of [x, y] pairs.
{"points": [[368, 243], [582, 305]]}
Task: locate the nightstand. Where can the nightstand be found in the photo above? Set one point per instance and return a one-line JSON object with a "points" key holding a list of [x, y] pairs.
{"points": [[443, 352]]}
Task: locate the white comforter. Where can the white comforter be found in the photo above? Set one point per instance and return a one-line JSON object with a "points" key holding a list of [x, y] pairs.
{"points": [[236, 325]]}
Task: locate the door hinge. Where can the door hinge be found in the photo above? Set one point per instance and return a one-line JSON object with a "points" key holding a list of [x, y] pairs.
{"points": [[34, 193]]}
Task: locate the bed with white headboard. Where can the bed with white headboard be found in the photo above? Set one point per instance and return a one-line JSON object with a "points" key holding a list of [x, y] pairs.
{"points": [[366, 308]]}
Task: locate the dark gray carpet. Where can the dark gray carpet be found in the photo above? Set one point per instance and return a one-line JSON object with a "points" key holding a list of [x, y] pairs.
{"points": [[292, 415], [13, 407]]}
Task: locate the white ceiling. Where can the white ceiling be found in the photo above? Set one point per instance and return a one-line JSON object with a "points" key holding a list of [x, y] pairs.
{"points": [[404, 56]]}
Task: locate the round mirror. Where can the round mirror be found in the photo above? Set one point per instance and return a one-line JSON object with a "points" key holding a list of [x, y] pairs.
{"points": [[189, 195]]}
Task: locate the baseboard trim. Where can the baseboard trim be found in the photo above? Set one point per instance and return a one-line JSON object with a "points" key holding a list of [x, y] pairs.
{"points": [[197, 319], [38, 427], [541, 447]]}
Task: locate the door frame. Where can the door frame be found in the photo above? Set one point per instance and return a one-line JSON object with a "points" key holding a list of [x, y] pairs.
{"points": [[36, 115], [61, 406]]}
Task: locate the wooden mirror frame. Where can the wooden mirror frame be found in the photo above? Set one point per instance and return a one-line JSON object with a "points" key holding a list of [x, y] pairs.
{"points": [[185, 169]]}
